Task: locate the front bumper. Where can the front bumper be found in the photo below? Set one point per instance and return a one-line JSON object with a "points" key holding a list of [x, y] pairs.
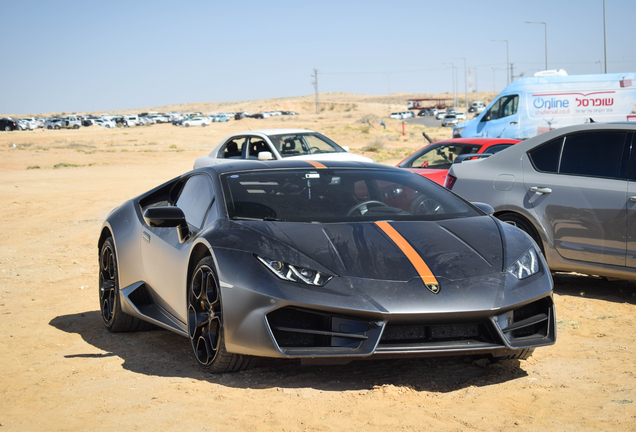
{"points": [[267, 317]]}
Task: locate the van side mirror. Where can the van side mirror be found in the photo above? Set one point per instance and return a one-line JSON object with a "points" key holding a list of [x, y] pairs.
{"points": [[168, 217], [265, 155]]}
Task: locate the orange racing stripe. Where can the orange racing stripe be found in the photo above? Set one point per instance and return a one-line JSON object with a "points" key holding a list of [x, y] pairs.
{"points": [[316, 164], [417, 261]]}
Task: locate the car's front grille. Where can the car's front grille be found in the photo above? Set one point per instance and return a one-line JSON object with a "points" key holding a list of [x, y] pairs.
{"points": [[299, 331], [432, 334]]}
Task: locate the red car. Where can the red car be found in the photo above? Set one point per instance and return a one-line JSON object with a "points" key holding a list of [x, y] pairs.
{"points": [[434, 160]]}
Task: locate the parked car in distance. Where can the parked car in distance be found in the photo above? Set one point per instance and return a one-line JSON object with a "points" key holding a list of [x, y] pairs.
{"points": [[196, 121], [433, 161], [449, 120], [8, 124], [54, 123], [71, 122], [477, 106], [570, 189], [402, 115], [277, 144], [105, 123]]}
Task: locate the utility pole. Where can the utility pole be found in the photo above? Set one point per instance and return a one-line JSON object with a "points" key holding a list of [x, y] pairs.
{"points": [[546, 37], [493, 79], [507, 57], [452, 65], [315, 84], [512, 73], [465, 82]]}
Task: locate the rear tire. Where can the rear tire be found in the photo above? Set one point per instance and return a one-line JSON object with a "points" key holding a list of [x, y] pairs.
{"points": [[525, 226], [76, 127], [114, 319]]}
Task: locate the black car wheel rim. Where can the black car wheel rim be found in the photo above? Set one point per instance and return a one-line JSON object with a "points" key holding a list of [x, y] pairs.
{"points": [[204, 315], [107, 284]]}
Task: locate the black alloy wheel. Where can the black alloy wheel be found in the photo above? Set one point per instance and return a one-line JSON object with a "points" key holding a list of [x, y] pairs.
{"points": [[114, 319], [205, 323]]}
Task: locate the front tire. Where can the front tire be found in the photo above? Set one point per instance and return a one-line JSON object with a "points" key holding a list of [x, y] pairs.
{"points": [[205, 323], [114, 319]]}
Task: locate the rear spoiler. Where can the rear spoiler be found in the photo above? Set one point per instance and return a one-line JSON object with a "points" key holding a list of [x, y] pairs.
{"points": [[459, 159]]}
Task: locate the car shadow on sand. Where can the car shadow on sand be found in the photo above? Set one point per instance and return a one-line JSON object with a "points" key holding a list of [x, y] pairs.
{"points": [[594, 287], [163, 353]]}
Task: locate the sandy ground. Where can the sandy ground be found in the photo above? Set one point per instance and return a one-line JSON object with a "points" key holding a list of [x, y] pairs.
{"points": [[60, 370]]}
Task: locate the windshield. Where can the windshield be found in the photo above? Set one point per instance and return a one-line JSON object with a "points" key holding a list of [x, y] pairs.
{"points": [[338, 195], [438, 156], [303, 144]]}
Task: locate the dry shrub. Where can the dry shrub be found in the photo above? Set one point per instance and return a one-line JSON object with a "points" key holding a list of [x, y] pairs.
{"points": [[375, 145], [368, 118]]}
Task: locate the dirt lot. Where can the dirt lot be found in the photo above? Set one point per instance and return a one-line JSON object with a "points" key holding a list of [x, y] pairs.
{"points": [[60, 370]]}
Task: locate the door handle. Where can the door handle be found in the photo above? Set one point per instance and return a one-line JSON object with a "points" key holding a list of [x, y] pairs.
{"points": [[513, 122], [632, 199], [540, 190], [146, 236]]}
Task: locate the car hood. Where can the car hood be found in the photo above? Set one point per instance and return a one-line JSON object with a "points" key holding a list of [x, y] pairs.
{"points": [[453, 249]]}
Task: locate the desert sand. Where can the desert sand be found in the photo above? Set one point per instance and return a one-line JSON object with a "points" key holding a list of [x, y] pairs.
{"points": [[61, 370]]}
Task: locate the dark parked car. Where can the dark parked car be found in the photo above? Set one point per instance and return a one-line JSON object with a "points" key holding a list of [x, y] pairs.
{"points": [[7, 124], [332, 261]]}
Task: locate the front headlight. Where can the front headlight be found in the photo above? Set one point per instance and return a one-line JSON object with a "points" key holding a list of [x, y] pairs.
{"points": [[457, 132], [525, 266], [293, 273]]}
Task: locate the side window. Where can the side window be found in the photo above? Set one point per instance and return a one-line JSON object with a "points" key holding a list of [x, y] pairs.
{"points": [[257, 145], [497, 148], [596, 154], [509, 106], [493, 112], [546, 158], [505, 106], [233, 149], [195, 199]]}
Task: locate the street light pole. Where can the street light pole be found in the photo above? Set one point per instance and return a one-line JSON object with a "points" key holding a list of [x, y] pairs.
{"points": [[546, 38], [465, 81], [493, 78], [604, 37], [507, 57], [453, 74]]}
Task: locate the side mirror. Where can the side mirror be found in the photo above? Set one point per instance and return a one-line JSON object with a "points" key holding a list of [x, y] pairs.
{"points": [[265, 155], [168, 217], [346, 148], [486, 208]]}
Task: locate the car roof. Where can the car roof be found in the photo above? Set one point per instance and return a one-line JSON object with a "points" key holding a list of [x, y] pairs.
{"points": [[291, 164], [480, 141]]}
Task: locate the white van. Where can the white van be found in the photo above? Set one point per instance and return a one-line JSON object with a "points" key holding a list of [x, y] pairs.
{"points": [[531, 106], [132, 120]]}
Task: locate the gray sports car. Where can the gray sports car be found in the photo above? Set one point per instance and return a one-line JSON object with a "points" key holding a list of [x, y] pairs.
{"points": [[571, 189], [331, 261]]}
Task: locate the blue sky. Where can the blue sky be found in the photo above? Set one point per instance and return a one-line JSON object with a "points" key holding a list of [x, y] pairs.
{"points": [[108, 55]]}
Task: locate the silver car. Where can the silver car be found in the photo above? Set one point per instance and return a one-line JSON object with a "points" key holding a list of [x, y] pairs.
{"points": [[573, 190]]}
